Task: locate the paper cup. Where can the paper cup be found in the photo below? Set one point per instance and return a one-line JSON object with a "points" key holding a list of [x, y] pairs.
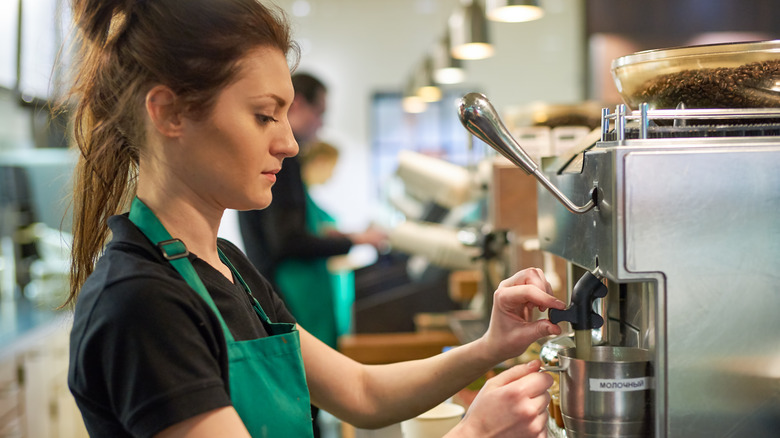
{"points": [[392, 431], [434, 423]]}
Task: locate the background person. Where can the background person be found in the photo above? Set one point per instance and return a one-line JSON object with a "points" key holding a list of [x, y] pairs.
{"points": [[279, 232], [175, 333], [318, 298]]}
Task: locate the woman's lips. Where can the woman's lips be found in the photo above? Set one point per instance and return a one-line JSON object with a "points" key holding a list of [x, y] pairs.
{"points": [[271, 175]]}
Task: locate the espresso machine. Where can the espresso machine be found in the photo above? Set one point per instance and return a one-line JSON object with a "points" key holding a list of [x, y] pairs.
{"points": [[679, 223]]}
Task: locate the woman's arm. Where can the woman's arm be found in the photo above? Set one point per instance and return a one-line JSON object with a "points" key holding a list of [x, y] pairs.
{"points": [[377, 395]]}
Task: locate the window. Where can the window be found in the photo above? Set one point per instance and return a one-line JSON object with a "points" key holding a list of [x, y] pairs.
{"points": [[436, 132]]}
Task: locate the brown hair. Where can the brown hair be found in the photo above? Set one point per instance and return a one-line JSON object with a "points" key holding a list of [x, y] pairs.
{"points": [[317, 149], [308, 86], [127, 47]]}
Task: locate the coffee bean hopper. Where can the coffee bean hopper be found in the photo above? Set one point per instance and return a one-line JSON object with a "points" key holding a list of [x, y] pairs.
{"points": [[672, 222]]}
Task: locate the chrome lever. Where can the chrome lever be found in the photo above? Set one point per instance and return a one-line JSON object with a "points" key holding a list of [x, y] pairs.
{"points": [[478, 116]]}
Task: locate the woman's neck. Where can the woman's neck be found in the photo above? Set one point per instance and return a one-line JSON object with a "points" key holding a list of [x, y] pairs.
{"points": [[187, 218]]}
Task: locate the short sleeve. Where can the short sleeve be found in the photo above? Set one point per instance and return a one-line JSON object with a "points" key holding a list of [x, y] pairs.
{"points": [[155, 349]]}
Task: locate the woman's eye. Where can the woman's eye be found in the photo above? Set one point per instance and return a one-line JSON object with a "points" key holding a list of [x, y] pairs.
{"points": [[265, 119]]}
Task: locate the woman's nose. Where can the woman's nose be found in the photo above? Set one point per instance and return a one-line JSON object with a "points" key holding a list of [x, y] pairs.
{"points": [[287, 145]]}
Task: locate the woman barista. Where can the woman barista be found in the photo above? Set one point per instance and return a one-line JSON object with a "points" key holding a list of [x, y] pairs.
{"points": [[181, 109]]}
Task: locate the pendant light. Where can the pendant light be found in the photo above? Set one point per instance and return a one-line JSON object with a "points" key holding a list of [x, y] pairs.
{"points": [[411, 102], [427, 89], [446, 69], [468, 29], [514, 11]]}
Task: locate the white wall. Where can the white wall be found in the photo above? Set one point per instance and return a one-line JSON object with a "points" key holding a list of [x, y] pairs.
{"points": [[361, 46]]}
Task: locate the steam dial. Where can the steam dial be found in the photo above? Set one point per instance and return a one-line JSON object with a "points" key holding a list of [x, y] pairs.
{"points": [[580, 313]]}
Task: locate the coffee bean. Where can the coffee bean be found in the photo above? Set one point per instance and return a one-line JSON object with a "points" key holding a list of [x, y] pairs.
{"points": [[751, 85]]}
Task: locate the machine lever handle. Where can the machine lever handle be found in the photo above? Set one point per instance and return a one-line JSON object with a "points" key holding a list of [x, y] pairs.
{"points": [[478, 116], [580, 313]]}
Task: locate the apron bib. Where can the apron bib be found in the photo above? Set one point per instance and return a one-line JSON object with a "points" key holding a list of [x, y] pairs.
{"points": [[266, 375]]}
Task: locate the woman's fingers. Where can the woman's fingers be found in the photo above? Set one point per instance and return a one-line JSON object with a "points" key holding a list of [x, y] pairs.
{"points": [[534, 276], [515, 373], [533, 383], [517, 298], [512, 403]]}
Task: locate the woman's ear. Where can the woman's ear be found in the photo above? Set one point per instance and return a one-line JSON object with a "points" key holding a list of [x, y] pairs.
{"points": [[163, 111]]}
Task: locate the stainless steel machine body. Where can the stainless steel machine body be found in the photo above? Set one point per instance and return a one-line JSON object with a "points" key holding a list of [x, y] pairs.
{"points": [[686, 232]]}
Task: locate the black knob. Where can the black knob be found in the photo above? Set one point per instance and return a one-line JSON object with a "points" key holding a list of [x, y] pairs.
{"points": [[580, 313]]}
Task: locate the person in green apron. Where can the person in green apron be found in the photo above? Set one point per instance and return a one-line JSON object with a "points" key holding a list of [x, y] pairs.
{"points": [[325, 310], [180, 113]]}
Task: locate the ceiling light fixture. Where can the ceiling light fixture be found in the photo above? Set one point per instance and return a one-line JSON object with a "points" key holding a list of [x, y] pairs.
{"points": [[411, 102], [427, 89], [514, 11], [446, 68], [468, 28]]}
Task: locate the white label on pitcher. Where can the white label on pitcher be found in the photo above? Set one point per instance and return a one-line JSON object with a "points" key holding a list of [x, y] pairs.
{"points": [[620, 385]]}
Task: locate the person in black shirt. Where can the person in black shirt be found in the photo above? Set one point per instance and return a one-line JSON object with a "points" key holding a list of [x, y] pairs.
{"points": [[180, 113], [278, 232]]}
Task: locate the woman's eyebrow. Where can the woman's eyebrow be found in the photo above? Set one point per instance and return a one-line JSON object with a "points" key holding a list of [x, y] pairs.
{"points": [[279, 100]]}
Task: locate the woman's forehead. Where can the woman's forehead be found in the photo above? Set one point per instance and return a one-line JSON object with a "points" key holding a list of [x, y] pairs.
{"points": [[265, 70]]}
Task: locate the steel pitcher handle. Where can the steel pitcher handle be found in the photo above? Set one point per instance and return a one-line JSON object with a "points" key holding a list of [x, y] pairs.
{"points": [[478, 116], [552, 369]]}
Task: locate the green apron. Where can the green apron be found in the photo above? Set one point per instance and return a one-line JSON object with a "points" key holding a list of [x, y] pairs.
{"points": [[267, 381], [320, 300]]}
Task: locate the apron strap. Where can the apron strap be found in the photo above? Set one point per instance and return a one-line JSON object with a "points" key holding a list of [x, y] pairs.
{"points": [[256, 304], [175, 251]]}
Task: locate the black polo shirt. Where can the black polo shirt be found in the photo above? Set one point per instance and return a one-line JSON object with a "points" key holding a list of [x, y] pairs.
{"points": [[146, 352]]}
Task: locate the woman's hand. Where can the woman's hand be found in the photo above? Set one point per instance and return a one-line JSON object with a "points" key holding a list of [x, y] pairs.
{"points": [[512, 328], [514, 403], [372, 235], [511, 404]]}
